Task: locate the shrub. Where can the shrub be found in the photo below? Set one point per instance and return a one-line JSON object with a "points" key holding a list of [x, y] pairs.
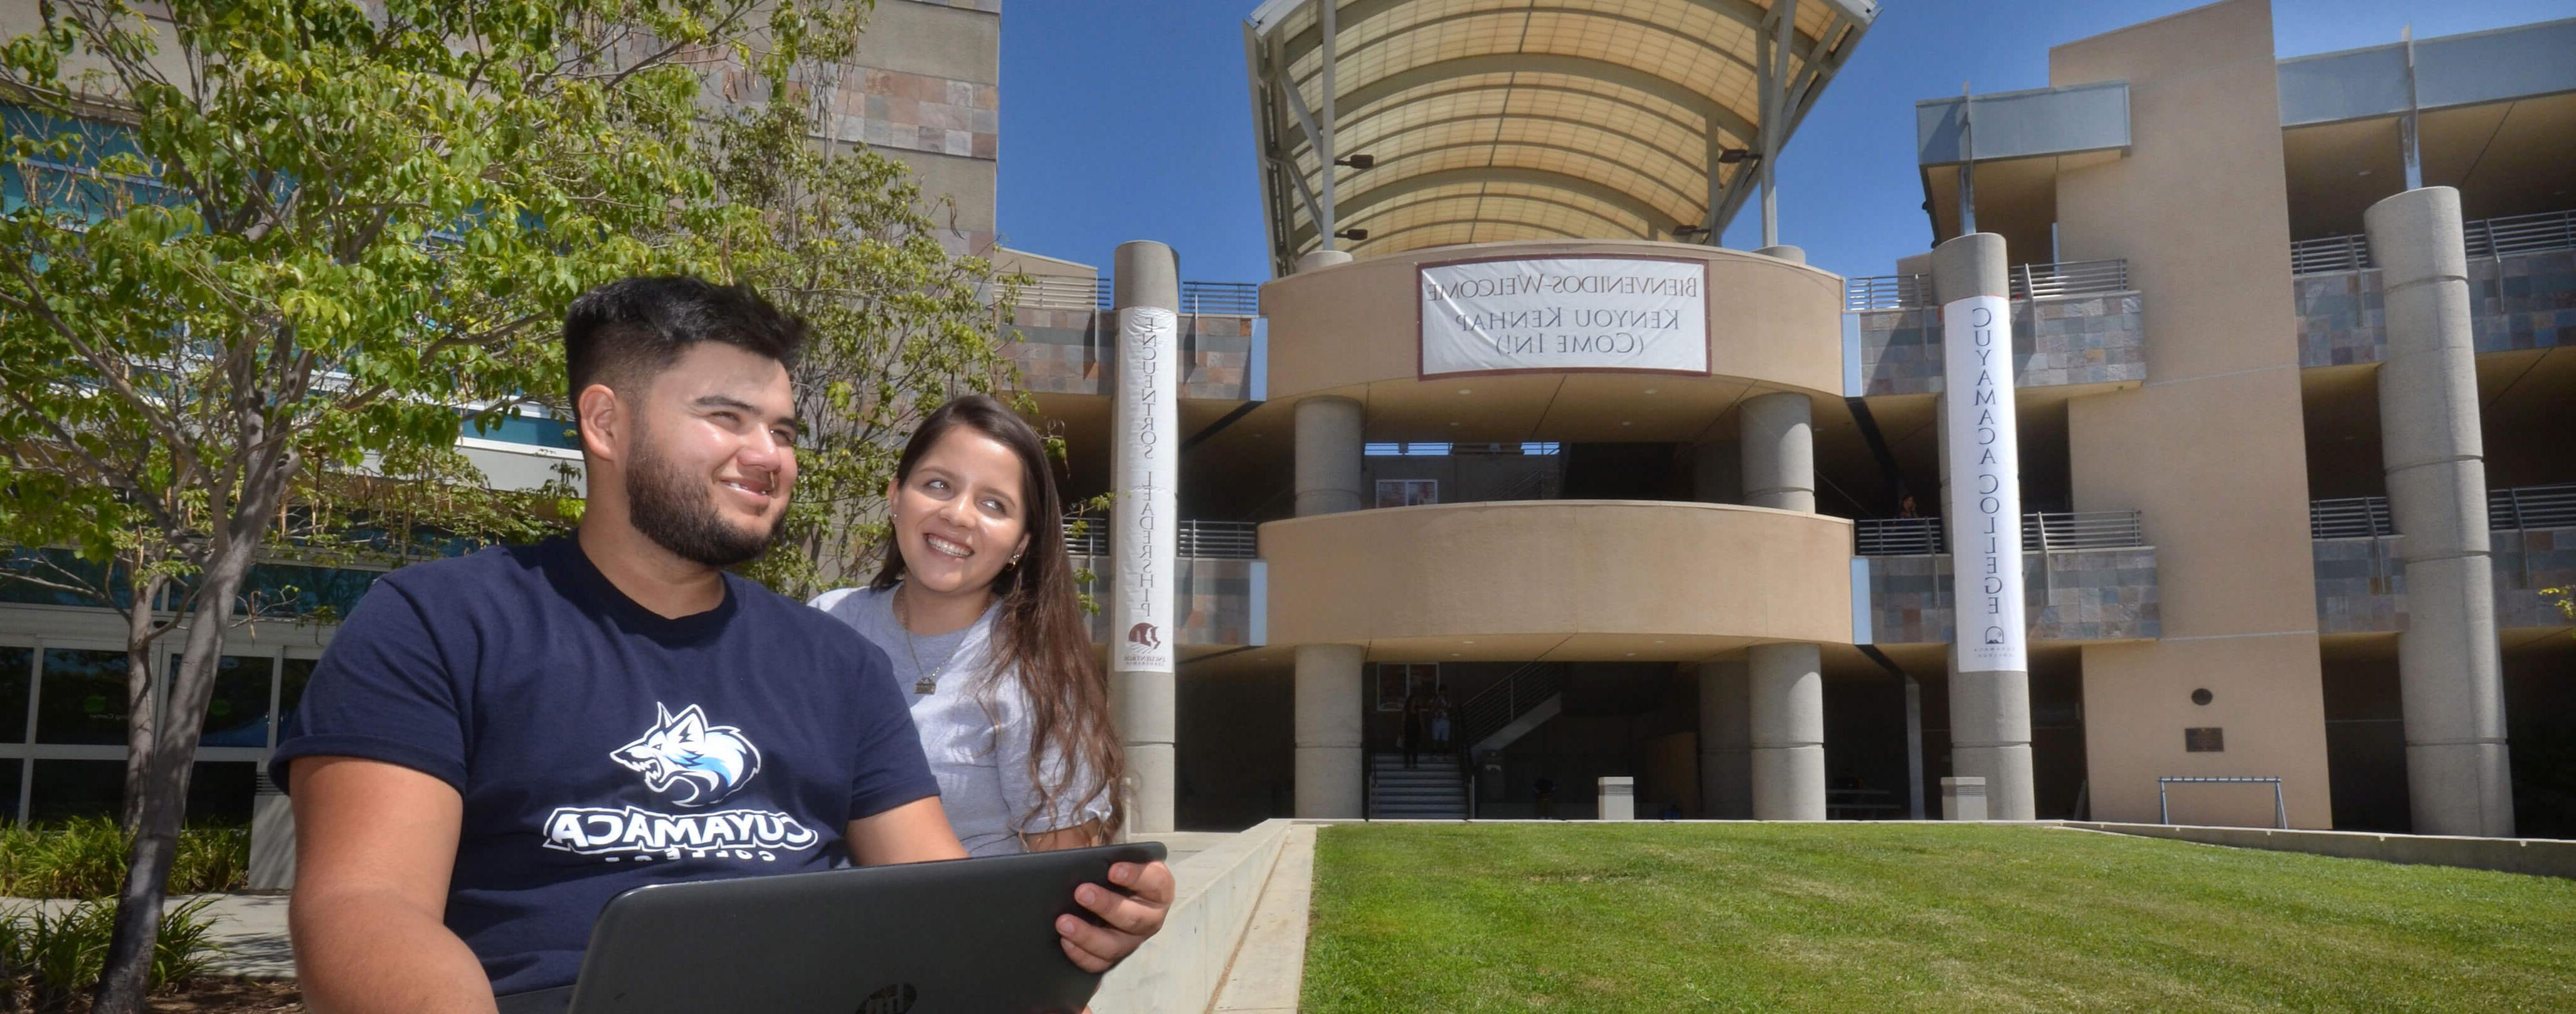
{"points": [[54, 957], [85, 858]]}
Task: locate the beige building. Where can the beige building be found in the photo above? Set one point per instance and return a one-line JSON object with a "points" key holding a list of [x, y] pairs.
{"points": [[2291, 476]]}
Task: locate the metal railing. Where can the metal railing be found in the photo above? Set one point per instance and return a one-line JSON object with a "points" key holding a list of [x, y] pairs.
{"points": [[2065, 278], [1887, 292], [2532, 507], [1510, 697], [1197, 540], [2351, 517], [2501, 236], [2069, 278], [1060, 292], [2514, 509], [2041, 532]]}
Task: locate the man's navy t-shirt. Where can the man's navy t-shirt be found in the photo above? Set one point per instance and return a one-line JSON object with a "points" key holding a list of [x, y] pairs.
{"points": [[599, 746]]}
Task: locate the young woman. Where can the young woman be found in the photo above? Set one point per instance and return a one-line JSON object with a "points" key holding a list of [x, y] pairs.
{"points": [[975, 606]]}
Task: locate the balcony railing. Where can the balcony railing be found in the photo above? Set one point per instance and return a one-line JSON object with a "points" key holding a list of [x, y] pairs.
{"points": [[2040, 533], [1057, 292], [1198, 540], [2484, 237], [2067, 278], [2522, 507]]}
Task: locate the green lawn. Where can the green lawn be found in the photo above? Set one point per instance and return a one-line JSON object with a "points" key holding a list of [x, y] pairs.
{"points": [[1684, 917]]}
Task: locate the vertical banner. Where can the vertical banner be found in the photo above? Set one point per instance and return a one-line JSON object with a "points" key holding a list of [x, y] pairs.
{"points": [[1985, 484], [1146, 458]]}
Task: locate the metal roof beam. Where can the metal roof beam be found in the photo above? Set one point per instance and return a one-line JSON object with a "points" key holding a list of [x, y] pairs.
{"points": [[1375, 239], [1682, 198]]}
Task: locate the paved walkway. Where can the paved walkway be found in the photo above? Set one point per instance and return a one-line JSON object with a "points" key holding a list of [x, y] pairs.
{"points": [[1270, 965]]}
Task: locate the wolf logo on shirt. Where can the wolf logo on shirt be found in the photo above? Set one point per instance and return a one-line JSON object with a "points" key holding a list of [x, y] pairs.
{"points": [[694, 763]]}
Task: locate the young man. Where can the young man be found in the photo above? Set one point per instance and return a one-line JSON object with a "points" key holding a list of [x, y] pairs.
{"points": [[495, 746]]}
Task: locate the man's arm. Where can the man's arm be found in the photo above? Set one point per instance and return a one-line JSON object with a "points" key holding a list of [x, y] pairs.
{"points": [[374, 843], [914, 832]]}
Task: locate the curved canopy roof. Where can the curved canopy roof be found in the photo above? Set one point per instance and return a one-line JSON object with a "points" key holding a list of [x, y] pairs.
{"points": [[1485, 120]]}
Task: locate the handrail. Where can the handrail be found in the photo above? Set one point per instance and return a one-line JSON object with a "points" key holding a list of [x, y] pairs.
{"points": [[1194, 540], [2041, 532], [2512, 509], [1496, 706], [1063, 292], [2500, 236], [2351, 517], [2064, 278]]}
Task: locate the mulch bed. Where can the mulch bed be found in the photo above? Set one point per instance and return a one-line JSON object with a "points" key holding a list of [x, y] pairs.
{"points": [[213, 995]]}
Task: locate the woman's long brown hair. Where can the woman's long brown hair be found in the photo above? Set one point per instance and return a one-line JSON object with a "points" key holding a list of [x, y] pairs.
{"points": [[1040, 635]]}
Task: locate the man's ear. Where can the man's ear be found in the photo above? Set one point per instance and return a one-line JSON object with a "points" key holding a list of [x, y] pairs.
{"points": [[602, 420]]}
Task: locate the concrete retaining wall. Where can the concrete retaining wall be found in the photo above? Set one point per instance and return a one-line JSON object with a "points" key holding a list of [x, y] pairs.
{"points": [[2545, 857], [1178, 971]]}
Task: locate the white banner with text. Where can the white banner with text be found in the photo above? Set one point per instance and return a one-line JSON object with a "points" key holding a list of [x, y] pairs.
{"points": [[1565, 313], [1985, 484], [1145, 455]]}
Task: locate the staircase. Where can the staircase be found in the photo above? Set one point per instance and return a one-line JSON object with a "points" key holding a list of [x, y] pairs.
{"points": [[1433, 789], [1512, 707]]}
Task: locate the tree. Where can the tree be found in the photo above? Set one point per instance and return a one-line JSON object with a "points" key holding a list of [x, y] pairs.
{"points": [[264, 251], [898, 324]]}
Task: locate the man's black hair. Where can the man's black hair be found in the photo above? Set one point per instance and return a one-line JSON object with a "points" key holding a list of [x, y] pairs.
{"points": [[625, 332]]}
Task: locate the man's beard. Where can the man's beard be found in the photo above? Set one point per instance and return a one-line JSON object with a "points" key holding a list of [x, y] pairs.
{"points": [[676, 511]]}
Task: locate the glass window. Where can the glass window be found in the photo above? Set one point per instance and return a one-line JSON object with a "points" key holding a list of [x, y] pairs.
{"points": [[298, 672], [15, 664], [81, 698], [219, 792], [238, 713], [67, 789], [1407, 492], [9, 770]]}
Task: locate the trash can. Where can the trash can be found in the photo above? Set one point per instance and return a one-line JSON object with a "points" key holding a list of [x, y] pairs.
{"points": [[1619, 797]]}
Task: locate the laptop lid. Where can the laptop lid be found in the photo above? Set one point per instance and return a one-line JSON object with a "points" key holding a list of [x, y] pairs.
{"points": [[970, 936]]}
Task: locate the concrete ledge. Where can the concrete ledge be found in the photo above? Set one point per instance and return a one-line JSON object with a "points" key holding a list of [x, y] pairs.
{"points": [[2544, 857], [1180, 969]]}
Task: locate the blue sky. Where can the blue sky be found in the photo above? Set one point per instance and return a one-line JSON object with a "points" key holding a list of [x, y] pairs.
{"points": [[1130, 120]]}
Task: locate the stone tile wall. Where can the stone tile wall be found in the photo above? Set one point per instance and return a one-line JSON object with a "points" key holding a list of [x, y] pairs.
{"points": [[2522, 301], [2360, 589], [2056, 340], [1068, 352], [1211, 599], [2088, 595]]}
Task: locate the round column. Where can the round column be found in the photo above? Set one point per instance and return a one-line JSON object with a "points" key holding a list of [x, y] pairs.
{"points": [[1794, 255], [2450, 679], [1725, 741], [1322, 259], [1780, 452], [1329, 763], [1788, 698], [1989, 667], [1145, 465], [1328, 455]]}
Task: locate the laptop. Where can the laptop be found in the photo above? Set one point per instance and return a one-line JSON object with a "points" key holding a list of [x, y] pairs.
{"points": [[971, 936]]}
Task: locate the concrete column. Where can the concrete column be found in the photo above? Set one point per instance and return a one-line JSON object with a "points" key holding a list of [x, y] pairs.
{"points": [[1989, 701], [1780, 452], [1794, 255], [2449, 675], [1328, 456], [1145, 469], [1725, 741], [1717, 472], [1329, 763], [1322, 259], [1788, 698]]}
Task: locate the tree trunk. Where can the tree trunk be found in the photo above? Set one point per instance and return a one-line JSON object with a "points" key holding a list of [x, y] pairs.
{"points": [[140, 726], [127, 977]]}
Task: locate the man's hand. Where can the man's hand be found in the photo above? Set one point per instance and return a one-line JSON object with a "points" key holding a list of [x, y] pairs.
{"points": [[1131, 918]]}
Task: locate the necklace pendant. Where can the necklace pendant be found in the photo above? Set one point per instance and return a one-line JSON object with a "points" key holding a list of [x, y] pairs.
{"points": [[926, 685]]}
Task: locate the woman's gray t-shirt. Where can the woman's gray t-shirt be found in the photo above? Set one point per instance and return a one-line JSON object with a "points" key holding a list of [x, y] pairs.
{"points": [[974, 728]]}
